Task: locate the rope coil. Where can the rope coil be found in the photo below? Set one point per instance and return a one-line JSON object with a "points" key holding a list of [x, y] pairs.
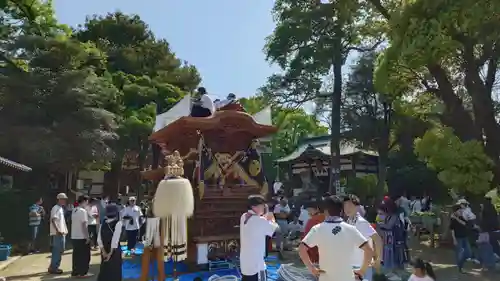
{"points": [[288, 272]]}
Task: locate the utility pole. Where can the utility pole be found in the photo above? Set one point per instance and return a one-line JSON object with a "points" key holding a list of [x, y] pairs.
{"points": [[337, 62]]}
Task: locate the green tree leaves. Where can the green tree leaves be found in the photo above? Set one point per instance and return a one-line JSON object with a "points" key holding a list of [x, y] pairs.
{"points": [[461, 166], [86, 97], [293, 125]]}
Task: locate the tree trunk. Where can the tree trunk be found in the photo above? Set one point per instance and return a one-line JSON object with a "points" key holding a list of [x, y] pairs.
{"points": [[338, 60], [112, 180], [482, 104], [383, 149], [456, 116]]}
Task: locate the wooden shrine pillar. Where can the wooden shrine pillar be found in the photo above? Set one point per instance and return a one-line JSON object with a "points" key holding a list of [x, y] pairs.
{"points": [[150, 254]]}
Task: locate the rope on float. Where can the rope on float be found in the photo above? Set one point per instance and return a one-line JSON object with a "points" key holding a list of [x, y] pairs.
{"points": [[288, 272]]}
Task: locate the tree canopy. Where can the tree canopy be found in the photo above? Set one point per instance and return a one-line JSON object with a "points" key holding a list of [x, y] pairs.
{"points": [[293, 124], [74, 98], [437, 68]]}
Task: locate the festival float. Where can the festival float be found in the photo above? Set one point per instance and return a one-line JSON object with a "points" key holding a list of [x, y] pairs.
{"points": [[217, 157]]}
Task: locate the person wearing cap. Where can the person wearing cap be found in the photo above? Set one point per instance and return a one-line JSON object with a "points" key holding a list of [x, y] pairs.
{"points": [[80, 238], [108, 239], [255, 225], [58, 231], [466, 210], [132, 215], [336, 241], [470, 218], [460, 234], [315, 217], [354, 218]]}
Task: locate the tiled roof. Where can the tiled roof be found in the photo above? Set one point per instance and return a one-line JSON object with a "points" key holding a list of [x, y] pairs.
{"points": [[322, 145], [15, 165]]}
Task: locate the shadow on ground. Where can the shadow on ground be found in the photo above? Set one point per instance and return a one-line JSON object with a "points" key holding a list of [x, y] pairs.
{"points": [[94, 269]]}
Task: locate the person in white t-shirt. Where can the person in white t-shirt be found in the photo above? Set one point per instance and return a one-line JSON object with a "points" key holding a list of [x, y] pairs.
{"points": [[351, 202], [58, 231], [202, 104], [255, 225], [304, 215], [80, 238], [93, 212], [422, 271], [336, 241], [277, 186], [132, 218]]}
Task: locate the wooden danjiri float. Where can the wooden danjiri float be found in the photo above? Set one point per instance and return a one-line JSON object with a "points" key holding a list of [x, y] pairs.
{"points": [[218, 155]]}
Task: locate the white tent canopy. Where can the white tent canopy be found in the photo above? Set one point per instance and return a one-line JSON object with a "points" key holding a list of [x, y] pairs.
{"points": [[263, 117], [183, 108]]}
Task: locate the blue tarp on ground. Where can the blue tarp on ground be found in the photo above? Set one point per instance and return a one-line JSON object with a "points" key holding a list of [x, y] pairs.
{"points": [[131, 269]]}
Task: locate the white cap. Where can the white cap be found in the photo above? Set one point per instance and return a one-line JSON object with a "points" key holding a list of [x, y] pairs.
{"points": [[132, 198], [61, 196], [462, 201]]}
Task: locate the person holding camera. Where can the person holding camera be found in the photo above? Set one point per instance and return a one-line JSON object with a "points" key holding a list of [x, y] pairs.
{"points": [[255, 225], [132, 215]]}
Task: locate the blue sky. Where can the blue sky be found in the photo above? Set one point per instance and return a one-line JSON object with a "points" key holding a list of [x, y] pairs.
{"points": [[222, 38]]}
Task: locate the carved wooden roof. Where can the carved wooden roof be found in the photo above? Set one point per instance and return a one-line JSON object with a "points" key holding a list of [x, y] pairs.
{"points": [[224, 131]]}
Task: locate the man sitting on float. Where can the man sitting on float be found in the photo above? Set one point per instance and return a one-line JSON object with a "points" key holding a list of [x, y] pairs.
{"points": [[231, 98], [203, 106]]}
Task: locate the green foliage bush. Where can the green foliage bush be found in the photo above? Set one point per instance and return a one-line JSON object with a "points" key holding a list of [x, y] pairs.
{"points": [[461, 166]]}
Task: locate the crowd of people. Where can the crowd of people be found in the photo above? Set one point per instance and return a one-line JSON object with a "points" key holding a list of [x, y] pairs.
{"points": [[332, 235], [338, 243], [476, 238], [91, 224]]}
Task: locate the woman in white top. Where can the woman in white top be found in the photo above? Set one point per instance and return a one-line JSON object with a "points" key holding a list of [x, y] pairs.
{"points": [[422, 271]]}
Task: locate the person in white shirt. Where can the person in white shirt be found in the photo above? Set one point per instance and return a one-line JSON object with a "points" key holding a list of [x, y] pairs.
{"points": [[281, 212], [231, 98], [277, 186], [58, 231], [304, 215], [466, 210], [422, 271], [132, 216], [108, 239], [295, 229], [93, 213], [336, 241], [255, 225], [202, 104], [415, 205], [351, 202], [80, 238]]}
